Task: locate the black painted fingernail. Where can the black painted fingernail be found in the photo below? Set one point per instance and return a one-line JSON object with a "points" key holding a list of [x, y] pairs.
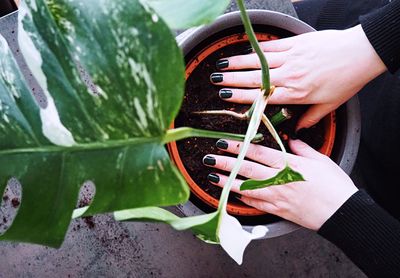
{"points": [[213, 178], [247, 51], [222, 144], [224, 93], [222, 64], [217, 77], [209, 160]]}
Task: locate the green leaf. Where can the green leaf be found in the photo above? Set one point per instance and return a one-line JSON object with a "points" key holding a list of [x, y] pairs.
{"points": [[113, 137], [204, 226], [287, 175], [182, 14], [216, 227]]}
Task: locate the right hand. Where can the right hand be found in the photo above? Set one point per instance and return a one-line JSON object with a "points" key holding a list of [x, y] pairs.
{"points": [[324, 68], [308, 203]]}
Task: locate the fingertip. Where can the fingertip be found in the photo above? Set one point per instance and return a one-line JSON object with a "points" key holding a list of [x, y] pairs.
{"points": [[222, 144], [222, 64], [209, 160], [294, 143], [304, 123], [213, 178], [301, 148], [216, 77], [225, 93]]}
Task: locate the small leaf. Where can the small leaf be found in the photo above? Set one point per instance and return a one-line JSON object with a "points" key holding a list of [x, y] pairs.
{"points": [[182, 14], [287, 175]]}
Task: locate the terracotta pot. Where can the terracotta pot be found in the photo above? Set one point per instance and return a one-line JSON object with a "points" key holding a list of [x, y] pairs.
{"points": [[235, 208], [345, 122]]}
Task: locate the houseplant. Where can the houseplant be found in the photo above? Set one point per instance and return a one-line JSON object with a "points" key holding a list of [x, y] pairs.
{"points": [[113, 134], [347, 117], [202, 103]]}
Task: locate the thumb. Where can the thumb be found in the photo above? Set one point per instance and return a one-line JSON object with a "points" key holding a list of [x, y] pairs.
{"points": [[313, 115], [300, 148]]}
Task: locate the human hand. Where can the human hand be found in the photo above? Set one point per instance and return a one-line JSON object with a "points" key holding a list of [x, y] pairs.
{"points": [[309, 203], [324, 68]]}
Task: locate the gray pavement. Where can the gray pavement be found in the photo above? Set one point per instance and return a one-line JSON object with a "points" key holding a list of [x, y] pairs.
{"points": [[102, 247]]}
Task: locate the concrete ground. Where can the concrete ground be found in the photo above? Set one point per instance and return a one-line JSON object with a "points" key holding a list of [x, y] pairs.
{"points": [[106, 248]]}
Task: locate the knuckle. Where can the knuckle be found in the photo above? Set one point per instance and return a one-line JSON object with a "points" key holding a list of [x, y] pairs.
{"points": [[246, 170], [224, 165], [253, 193], [258, 153], [277, 162], [282, 207], [240, 96], [236, 147]]}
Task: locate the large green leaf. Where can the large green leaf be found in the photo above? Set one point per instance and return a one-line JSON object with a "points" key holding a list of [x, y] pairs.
{"points": [[181, 14], [113, 138]]}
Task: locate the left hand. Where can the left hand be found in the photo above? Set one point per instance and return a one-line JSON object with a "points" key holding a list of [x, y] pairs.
{"points": [[309, 203], [324, 68]]}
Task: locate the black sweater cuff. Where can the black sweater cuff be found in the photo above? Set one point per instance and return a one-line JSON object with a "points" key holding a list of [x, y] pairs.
{"points": [[367, 234], [382, 28]]}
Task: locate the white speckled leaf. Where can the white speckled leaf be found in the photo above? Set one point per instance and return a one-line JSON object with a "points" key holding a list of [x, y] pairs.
{"points": [[181, 14], [112, 136]]}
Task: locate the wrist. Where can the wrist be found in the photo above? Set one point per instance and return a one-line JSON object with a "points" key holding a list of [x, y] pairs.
{"points": [[336, 201], [364, 55]]}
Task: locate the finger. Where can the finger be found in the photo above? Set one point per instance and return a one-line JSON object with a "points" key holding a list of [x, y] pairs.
{"points": [[313, 115], [283, 95], [244, 96], [258, 153], [300, 148], [265, 194], [277, 45], [250, 61], [260, 205], [246, 79], [248, 169]]}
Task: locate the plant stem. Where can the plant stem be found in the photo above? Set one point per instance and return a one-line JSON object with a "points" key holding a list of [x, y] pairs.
{"points": [[266, 83], [187, 132], [274, 134], [257, 109], [224, 112], [283, 115], [251, 131]]}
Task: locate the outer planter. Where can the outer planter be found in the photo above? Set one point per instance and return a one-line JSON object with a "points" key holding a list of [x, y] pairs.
{"points": [[344, 152], [238, 209]]}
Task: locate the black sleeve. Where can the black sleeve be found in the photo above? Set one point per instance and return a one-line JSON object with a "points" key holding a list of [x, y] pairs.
{"points": [[367, 234], [382, 28]]}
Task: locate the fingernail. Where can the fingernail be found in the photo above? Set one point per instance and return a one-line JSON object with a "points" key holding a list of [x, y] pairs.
{"points": [[222, 64], [213, 178], [217, 77], [224, 93], [209, 160], [222, 144], [247, 51]]}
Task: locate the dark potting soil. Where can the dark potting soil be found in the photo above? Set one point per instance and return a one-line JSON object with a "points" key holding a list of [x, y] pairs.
{"points": [[201, 95]]}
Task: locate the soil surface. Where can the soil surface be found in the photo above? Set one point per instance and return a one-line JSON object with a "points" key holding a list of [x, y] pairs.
{"points": [[201, 95]]}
